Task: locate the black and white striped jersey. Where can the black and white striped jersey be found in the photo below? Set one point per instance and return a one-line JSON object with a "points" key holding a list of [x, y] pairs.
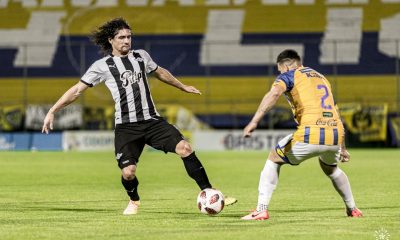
{"points": [[126, 78]]}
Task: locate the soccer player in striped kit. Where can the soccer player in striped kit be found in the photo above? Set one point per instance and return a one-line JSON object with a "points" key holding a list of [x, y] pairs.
{"points": [[319, 133], [137, 122]]}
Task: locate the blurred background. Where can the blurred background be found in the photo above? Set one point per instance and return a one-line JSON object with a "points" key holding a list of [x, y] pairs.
{"points": [[226, 48]]}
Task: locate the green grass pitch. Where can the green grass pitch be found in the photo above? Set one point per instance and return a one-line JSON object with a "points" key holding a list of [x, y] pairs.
{"points": [[71, 195]]}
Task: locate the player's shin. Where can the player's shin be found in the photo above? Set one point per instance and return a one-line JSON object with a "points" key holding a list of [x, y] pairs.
{"points": [[195, 170], [268, 182], [131, 188], [342, 185]]}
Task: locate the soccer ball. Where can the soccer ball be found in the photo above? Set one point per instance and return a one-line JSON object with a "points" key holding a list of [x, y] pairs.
{"points": [[210, 201]]}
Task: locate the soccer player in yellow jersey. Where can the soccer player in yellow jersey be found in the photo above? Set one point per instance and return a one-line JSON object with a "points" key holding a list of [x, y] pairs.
{"points": [[319, 133]]}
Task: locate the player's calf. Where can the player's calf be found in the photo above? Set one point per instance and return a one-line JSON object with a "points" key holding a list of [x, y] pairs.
{"points": [[196, 171]]}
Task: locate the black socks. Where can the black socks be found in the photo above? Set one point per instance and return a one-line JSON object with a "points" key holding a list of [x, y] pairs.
{"points": [[193, 167], [196, 171], [131, 188]]}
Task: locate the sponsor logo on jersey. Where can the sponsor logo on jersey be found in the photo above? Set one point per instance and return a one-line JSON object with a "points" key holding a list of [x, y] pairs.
{"points": [[128, 77], [324, 122]]}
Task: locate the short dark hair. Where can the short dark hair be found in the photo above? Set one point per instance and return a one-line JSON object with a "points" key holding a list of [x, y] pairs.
{"points": [[288, 54], [108, 30]]}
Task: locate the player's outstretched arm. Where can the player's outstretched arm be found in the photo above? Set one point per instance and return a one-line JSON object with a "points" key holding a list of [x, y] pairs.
{"points": [[165, 76], [266, 104], [67, 98]]}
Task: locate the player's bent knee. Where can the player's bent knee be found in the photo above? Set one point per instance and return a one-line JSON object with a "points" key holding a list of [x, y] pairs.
{"points": [[183, 148], [129, 172], [327, 169], [273, 156]]}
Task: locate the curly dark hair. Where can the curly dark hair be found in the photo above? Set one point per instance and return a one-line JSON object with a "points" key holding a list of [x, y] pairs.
{"points": [[108, 30]]}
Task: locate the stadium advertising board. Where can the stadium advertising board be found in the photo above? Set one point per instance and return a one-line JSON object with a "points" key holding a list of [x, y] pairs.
{"points": [[394, 129], [30, 142], [369, 122], [88, 140], [233, 140], [202, 140], [11, 117], [67, 118]]}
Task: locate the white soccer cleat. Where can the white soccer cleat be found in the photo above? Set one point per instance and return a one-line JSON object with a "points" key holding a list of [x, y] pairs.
{"points": [[132, 208]]}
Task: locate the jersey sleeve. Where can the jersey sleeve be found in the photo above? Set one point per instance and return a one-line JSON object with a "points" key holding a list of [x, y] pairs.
{"points": [[150, 65], [279, 82], [285, 80], [93, 76]]}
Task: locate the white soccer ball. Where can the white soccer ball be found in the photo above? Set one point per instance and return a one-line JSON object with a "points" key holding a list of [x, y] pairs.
{"points": [[210, 201]]}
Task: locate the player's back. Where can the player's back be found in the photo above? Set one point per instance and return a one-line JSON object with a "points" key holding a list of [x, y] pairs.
{"points": [[313, 106]]}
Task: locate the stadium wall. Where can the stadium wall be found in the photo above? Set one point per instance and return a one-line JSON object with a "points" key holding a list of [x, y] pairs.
{"points": [[222, 95]]}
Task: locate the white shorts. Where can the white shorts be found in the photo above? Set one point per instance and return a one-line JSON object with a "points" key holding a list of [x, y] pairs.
{"points": [[296, 152]]}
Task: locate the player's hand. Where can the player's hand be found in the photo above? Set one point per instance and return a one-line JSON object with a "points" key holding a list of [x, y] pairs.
{"points": [[48, 123], [249, 129], [344, 155], [191, 89]]}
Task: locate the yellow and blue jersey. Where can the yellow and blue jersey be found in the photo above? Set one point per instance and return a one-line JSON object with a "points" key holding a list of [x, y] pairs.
{"points": [[309, 94]]}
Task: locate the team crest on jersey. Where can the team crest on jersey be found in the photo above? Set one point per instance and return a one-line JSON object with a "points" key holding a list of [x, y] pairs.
{"points": [[128, 77]]}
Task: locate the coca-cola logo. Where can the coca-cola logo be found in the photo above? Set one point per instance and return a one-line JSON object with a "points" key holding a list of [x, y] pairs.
{"points": [[332, 122], [324, 122], [320, 121]]}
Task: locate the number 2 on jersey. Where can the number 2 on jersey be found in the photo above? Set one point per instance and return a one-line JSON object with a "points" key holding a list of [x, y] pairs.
{"points": [[324, 97]]}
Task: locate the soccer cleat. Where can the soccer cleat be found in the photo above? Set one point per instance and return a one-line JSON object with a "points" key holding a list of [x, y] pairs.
{"points": [[354, 212], [132, 208], [230, 200], [255, 215]]}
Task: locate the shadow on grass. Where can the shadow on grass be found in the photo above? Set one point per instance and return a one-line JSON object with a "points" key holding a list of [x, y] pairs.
{"points": [[65, 209], [194, 215], [237, 214], [230, 213], [78, 209], [329, 209]]}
